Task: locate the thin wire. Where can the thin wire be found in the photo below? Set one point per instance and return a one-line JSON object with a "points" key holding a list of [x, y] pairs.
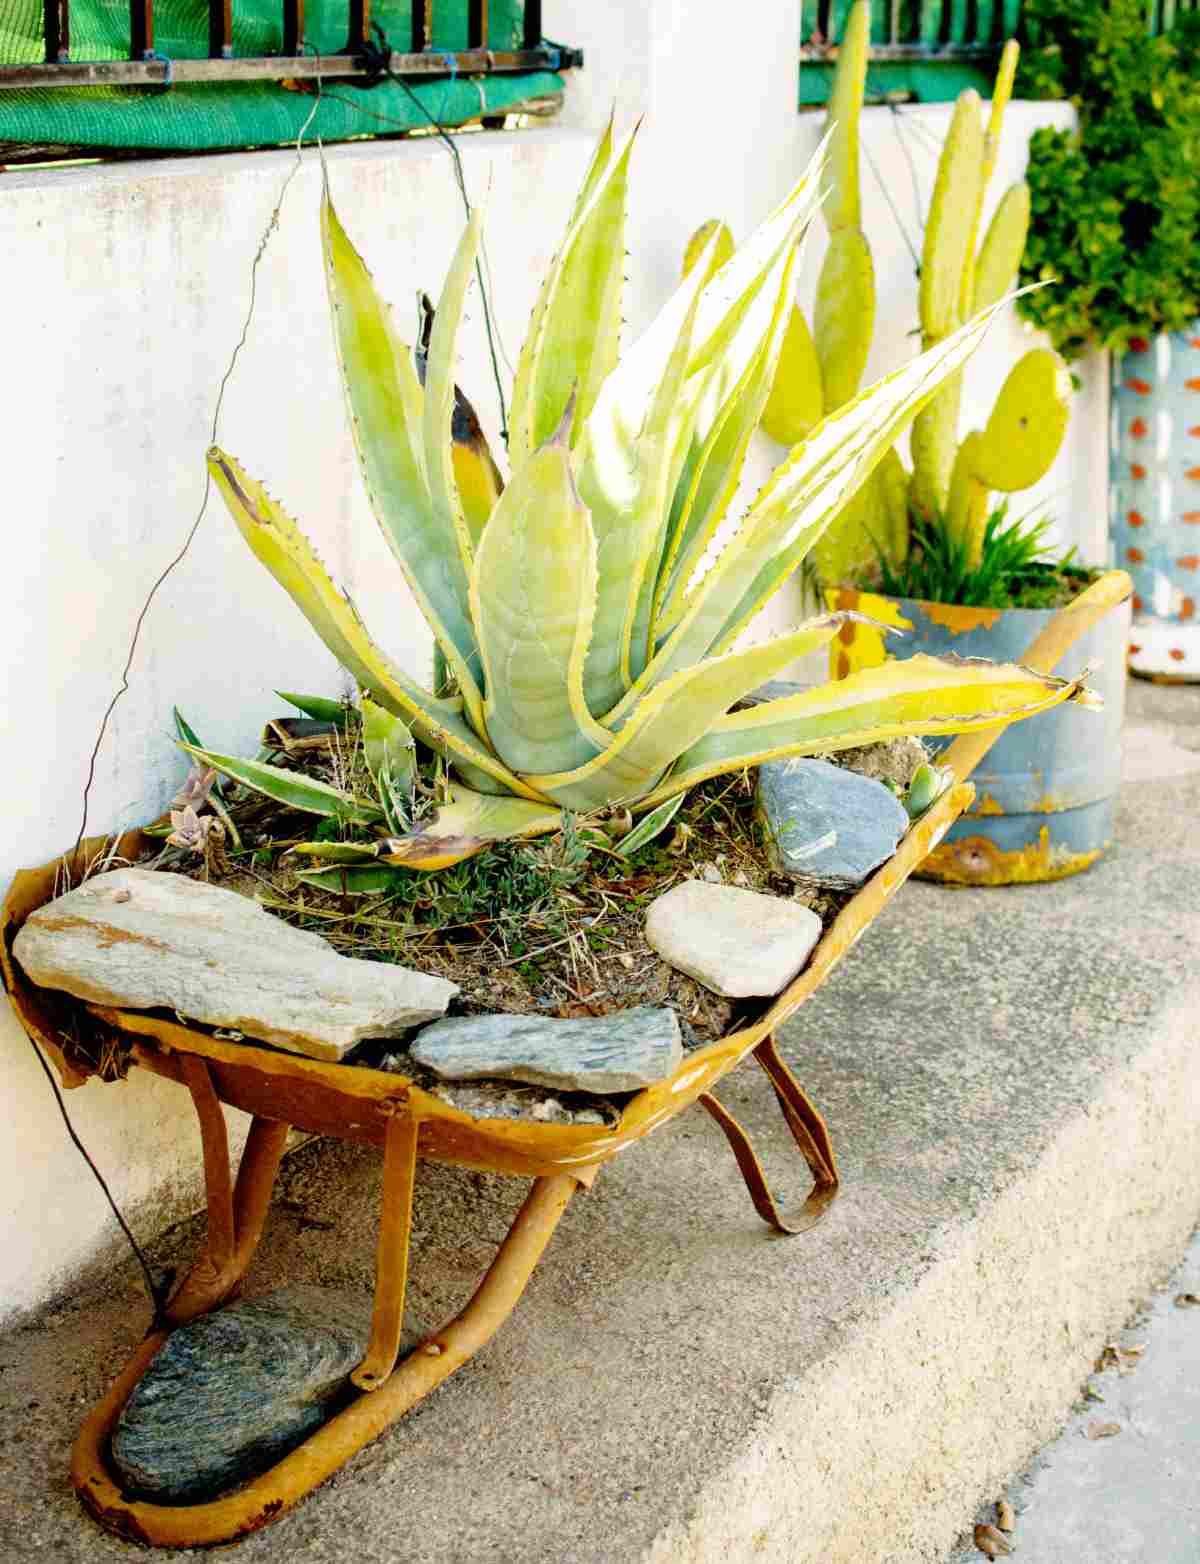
{"points": [[123, 687], [152, 1287], [892, 207], [157, 1292], [380, 57], [902, 143]]}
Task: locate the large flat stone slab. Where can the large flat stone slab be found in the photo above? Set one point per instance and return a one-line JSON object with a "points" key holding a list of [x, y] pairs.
{"points": [[738, 943], [140, 940], [613, 1053], [231, 1393]]}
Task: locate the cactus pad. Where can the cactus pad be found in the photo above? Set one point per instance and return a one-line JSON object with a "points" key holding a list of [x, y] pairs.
{"points": [[1027, 425], [797, 402], [1002, 248], [844, 316]]}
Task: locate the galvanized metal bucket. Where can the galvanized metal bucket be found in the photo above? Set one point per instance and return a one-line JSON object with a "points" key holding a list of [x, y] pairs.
{"points": [[1046, 792]]}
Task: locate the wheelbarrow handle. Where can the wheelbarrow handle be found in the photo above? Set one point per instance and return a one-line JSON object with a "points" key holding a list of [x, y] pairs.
{"points": [[1043, 655]]}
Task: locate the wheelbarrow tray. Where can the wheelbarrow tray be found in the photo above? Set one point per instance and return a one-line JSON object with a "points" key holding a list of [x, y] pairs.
{"points": [[281, 1091]]}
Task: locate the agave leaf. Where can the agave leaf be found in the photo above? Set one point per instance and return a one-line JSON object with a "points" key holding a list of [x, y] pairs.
{"points": [[675, 715], [368, 880], [648, 827], [339, 852], [919, 695], [800, 500], [387, 743], [626, 464], [291, 789], [729, 314], [315, 706], [387, 417], [660, 450], [392, 761], [465, 825], [438, 411], [715, 471], [279, 544], [701, 245], [574, 339], [722, 331], [475, 472], [533, 596]]}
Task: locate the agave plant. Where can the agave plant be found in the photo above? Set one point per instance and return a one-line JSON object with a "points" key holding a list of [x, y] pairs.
{"points": [[592, 639]]}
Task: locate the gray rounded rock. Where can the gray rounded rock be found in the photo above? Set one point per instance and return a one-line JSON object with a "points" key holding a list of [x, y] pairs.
{"points": [[233, 1392], [825, 823]]}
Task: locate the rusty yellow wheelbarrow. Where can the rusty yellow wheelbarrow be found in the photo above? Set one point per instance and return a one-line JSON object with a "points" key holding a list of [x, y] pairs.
{"points": [[281, 1091]]}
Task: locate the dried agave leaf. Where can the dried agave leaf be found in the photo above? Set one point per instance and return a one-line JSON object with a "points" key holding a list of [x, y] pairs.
{"points": [[992, 1542]]}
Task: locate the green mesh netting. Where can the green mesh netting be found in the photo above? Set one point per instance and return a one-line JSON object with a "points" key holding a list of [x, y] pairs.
{"points": [[197, 116]]}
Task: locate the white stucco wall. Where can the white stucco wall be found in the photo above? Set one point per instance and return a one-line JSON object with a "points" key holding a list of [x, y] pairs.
{"points": [[131, 284]]}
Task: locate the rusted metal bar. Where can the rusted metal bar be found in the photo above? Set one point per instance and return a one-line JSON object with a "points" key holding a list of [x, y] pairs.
{"points": [[293, 26], [266, 1497], [214, 1141], [391, 1262], [477, 24], [303, 67], [57, 17], [533, 24], [235, 1219], [968, 749], [809, 1132], [360, 26], [141, 31], [220, 29], [422, 26]]}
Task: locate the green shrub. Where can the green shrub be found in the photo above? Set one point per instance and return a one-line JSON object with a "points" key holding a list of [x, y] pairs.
{"points": [[1116, 205]]}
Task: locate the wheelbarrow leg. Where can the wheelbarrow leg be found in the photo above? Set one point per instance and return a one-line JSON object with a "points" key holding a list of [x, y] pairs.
{"points": [[391, 1264], [265, 1498], [809, 1132], [236, 1213]]}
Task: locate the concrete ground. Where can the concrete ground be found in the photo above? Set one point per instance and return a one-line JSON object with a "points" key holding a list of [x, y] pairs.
{"points": [[1010, 1080], [1128, 1494]]}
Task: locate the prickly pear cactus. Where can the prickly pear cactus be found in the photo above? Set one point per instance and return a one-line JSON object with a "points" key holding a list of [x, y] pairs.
{"points": [[820, 371]]}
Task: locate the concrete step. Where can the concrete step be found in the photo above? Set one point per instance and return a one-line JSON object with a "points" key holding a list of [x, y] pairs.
{"points": [[1118, 1485], [1010, 1078]]}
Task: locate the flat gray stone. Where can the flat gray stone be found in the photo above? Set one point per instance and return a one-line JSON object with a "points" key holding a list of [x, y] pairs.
{"points": [[613, 1053], [825, 823], [233, 1392], [141, 940], [738, 943]]}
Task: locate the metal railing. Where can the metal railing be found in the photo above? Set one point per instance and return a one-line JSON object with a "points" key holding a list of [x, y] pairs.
{"points": [[901, 30], [358, 58]]}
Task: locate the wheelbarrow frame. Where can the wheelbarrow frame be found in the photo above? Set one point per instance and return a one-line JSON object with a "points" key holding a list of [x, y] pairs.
{"points": [[282, 1091]]}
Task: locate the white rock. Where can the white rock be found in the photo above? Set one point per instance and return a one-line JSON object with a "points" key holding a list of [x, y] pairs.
{"points": [[141, 940], [737, 942]]}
